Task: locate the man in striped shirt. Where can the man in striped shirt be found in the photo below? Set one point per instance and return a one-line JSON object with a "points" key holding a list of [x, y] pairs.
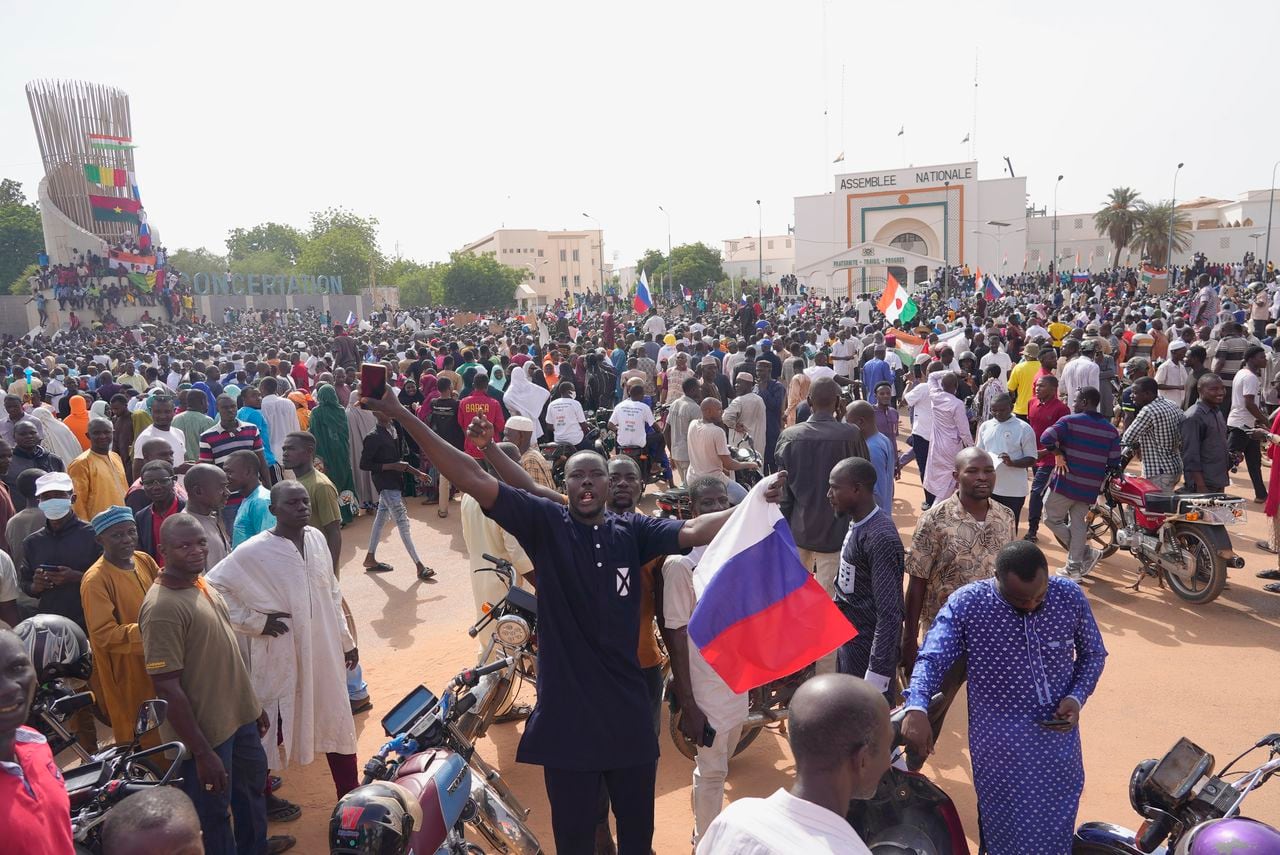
{"points": [[229, 435], [1084, 445]]}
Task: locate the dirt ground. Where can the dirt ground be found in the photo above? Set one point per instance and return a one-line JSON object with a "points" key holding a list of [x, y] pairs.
{"points": [[1208, 673]]}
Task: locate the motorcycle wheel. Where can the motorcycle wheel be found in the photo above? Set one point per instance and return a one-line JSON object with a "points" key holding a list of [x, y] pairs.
{"points": [[1203, 549], [690, 751], [1102, 531]]}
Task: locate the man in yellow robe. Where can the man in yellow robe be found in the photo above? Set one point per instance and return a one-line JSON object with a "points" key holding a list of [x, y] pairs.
{"points": [[98, 474], [112, 592]]}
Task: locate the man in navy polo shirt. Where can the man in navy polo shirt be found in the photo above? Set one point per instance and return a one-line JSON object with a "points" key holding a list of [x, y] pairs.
{"points": [[586, 564]]}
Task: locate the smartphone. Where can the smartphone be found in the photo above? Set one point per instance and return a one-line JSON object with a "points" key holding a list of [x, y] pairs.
{"points": [[1056, 724], [708, 735], [373, 380]]}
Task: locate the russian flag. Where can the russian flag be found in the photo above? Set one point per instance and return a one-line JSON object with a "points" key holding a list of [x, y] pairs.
{"points": [[760, 614], [992, 288], [351, 318], [1079, 277], [641, 301]]}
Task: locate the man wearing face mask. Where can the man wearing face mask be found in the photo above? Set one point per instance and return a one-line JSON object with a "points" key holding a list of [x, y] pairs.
{"points": [[1034, 657], [59, 553]]}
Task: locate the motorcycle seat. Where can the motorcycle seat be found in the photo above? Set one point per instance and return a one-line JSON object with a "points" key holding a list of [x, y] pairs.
{"points": [[1171, 503]]}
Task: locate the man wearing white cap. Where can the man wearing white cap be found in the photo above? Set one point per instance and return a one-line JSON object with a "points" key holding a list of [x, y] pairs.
{"points": [[1171, 376], [745, 415], [519, 431]]}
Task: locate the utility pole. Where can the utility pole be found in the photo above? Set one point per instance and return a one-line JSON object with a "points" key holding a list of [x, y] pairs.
{"points": [[668, 213], [760, 245], [1270, 206], [946, 265], [1053, 268], [1173, 216]]}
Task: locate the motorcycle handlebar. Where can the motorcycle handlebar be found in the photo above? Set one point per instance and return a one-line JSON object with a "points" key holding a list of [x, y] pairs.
{"points": [[471, 676]]}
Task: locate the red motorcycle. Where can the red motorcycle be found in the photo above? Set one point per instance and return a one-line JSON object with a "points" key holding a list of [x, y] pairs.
{"points": [[1179, 538]]}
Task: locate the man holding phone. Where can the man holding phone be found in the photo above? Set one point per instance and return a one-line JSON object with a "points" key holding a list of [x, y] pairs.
{"points": [[1034, 657]]}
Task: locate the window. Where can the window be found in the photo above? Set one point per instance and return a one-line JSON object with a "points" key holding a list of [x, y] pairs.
{"points": [[1055, 224], [733, 246], [575, 256], [1224, 243], [1079, 223], [562, 255], [770, 245], [577, 281], [909, 242], [1034, 255], [564, 280], [542, 280], [539, 253]]}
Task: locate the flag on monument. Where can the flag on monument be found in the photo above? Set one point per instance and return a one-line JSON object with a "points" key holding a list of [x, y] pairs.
{"points": [[114, 209], [106, 176], [642, 302], [895, 303], [760, 614], [110, 143]]}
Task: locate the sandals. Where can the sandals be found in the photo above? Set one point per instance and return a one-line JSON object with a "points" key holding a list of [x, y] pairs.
{"points": [[1268, 574], [443, 513], [1273, 588], [378, 567], [425, 573]]}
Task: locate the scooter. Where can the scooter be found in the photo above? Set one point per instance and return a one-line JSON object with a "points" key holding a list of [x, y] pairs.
{"points": [[909, 814], [430, 757], [1187, 807], [1179, 538]]}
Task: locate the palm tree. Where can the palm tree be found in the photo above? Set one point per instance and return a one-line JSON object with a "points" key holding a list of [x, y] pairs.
{"points": [[1151, 236], [1118, 219]]}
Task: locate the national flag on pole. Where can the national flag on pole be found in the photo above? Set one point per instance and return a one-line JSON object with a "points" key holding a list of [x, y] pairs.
{"points": [[1077, 259], [128, 261], [977, 279], [110, 143], [1151, 274], [907, 346], [351, 319], [992, 289], [642, 302], [760, 614], [114, 209], [1090, 259], [896, 302], [1080, 277]]}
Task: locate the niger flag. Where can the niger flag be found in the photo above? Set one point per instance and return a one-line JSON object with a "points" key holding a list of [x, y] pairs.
{"points": [[895, 303]]}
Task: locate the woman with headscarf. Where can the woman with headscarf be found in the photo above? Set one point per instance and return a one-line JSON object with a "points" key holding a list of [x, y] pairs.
{"points": [[328, 424], [299, 400], [78, 420], [430, 390], [58, 438], [211, 400], [411, 399], [525, 398], [797, 393]]}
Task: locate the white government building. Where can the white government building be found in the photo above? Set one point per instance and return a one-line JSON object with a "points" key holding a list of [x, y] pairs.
{"points": [[909, 221]]}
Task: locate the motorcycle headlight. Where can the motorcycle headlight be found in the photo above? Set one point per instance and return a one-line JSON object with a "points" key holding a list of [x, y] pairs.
{"points": [[1138, 798], [512, 630]]}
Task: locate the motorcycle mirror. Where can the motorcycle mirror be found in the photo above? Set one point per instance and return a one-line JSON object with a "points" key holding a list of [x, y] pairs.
{"points": [[151, 715], [64, 708]]}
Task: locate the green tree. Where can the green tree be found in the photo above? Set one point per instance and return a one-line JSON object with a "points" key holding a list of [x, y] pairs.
{"points": [[263, 261], [198, 260], [331, 219], [1118, 219], [22, 282], [693, 265], [341, 251], [266, 237], [1151, 237], [21, 236], [422, 286], [477, 282]]}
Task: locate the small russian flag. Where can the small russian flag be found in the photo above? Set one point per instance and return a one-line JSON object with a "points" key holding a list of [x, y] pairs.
{"points": [[992, 289], [760, 614], [351, 318], [641, 301]]}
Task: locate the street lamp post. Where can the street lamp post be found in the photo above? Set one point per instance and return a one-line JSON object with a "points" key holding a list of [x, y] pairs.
{"points": [[1053, 268], [759, 246], [1270, 206], [601, 247], [946, 264], [1173, 217], [668, 213], [1255, 237]]}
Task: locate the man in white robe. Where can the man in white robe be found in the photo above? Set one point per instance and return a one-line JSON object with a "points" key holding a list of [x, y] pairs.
{"points": [[281, 415], [283, 596], [950, 434]]}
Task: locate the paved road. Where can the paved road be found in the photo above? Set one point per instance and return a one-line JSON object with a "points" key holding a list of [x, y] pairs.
{"points": [[1208, 673]]}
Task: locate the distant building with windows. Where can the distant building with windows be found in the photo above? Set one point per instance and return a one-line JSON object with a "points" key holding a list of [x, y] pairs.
{"points": [[554, 263], [742, 259]]}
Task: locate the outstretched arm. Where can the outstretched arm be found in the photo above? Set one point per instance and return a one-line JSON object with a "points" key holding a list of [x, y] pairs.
{"points": [[456, 465]]}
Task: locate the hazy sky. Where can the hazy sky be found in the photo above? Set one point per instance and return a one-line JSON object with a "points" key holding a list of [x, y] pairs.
{"points": [[446, 120]]}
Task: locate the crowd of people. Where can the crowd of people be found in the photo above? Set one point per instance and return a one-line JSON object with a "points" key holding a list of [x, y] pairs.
{"points": [[180, 493]]}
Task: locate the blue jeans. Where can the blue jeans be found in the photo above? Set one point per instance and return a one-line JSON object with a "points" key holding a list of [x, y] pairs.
{"points": [[1039, 482], [246, 764], [391, 503]]}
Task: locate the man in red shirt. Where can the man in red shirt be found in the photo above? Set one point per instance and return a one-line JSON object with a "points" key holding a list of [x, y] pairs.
{"points": [[1045, 409], [34, 807], [478, 403], [301, 376]]}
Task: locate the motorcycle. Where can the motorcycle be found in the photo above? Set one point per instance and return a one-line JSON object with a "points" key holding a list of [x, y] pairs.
{"points": [[50, 709], [767, 705], [674, 503], [745, 452], [515, 640], [430, 757], [908, 813], [1187, 807], [1180, 538], [98, 785]]}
